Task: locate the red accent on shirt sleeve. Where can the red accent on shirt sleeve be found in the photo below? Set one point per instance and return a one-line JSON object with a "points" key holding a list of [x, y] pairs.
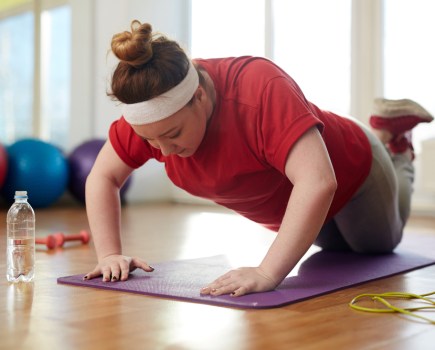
{"points": [[130, 147]]}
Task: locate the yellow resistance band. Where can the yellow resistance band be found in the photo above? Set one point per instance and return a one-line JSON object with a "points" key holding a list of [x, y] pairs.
{"points": [[389, 308]]}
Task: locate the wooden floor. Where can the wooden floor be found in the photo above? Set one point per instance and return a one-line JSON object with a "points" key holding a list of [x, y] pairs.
{"points": [[45, 315]]}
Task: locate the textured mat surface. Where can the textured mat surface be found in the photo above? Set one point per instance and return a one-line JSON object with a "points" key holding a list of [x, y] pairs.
{"points": [[320, 273]]}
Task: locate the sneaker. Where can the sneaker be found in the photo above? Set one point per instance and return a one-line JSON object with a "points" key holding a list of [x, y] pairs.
{"points": [[398, 116]]}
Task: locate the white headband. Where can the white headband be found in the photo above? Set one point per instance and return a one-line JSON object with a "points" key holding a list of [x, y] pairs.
{"points": [[164, 105]]}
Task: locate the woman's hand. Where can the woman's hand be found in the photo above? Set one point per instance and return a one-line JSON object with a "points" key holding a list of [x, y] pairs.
{"points": [[117, 267], [241, 281]]}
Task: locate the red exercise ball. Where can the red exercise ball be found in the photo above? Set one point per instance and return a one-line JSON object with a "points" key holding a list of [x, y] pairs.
{"points": [[3, 165]]}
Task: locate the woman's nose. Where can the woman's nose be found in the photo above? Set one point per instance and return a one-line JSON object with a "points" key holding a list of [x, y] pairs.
{"points": [[166, 148]]}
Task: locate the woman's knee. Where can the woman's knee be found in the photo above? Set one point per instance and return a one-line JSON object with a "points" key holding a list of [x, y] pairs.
{"points": [[376, 246]]}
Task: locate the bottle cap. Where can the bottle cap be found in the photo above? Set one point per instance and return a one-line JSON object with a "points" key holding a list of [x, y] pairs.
{"points": [[20, 194]]}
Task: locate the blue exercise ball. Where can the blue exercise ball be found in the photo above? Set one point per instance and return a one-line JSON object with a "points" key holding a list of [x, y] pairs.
{"points": [[37, 167], [81, 160]]}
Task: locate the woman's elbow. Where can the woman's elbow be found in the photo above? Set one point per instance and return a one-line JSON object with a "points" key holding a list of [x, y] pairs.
{"points": [[330, 185]]}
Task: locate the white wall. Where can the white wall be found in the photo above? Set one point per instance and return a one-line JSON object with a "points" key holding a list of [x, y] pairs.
{"points": [[423, 200], [92, 110]]}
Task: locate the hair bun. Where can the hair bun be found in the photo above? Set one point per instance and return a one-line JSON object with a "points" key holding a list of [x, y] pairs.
{"points": [[135, 47]]}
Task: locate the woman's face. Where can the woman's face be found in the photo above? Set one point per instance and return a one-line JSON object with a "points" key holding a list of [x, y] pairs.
{"points": [[181, 133]]}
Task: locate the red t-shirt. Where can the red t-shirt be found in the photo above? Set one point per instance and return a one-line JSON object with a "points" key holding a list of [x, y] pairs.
{"points": [[259, 114]]}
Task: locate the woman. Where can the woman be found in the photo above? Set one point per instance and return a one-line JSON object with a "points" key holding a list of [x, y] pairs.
{"points": [[240, 132]]}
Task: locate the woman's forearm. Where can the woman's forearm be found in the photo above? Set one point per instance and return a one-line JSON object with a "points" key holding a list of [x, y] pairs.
{"points": [[303, 219], [103, 210]]}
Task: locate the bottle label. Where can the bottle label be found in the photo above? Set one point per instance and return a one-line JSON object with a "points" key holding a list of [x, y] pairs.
{"points": [[20, 259]]}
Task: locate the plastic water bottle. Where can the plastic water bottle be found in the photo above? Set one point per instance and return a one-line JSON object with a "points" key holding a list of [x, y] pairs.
{"points": [[20, 240]]}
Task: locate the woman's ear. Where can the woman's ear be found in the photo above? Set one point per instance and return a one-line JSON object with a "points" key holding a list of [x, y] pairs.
{"points": [[200, 94]]}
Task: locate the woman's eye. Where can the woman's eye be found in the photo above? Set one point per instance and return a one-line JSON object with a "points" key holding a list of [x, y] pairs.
{"points": [[175, 135]]}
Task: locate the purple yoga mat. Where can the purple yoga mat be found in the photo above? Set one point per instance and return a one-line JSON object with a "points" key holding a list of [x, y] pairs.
{"points": [[320, 273]]}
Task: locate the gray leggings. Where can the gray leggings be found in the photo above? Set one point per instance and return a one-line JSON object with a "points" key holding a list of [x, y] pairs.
{"points": [[373, 220]]}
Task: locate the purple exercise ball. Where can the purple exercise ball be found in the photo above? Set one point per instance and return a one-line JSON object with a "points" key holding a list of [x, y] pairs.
{"points": [[81, 160]]}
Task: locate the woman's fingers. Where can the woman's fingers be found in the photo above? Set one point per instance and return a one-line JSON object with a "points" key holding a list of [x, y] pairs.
{"points": [[107, 272], [141, 264], [115, 273], [125, 267], [94, 273], [239, 292], [222, 285], [232, 288], [117, 268], [240, 282], [217, 284]]}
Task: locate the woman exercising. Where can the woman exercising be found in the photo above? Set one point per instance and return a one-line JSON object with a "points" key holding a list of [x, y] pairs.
{"points": [[240, 132]]}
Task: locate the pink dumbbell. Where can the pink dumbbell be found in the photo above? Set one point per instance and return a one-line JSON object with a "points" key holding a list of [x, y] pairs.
{"points": [[49, 241], [61, 238]]}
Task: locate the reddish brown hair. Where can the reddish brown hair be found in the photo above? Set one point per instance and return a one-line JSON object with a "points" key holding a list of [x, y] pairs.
{"points": [[149, 64]]}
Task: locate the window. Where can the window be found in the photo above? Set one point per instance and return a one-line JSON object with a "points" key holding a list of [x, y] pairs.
{"points": [[313, 46], [409, 56], [16, 76], [55, 72], [226, 28], [311, 41], [35, 70]]}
